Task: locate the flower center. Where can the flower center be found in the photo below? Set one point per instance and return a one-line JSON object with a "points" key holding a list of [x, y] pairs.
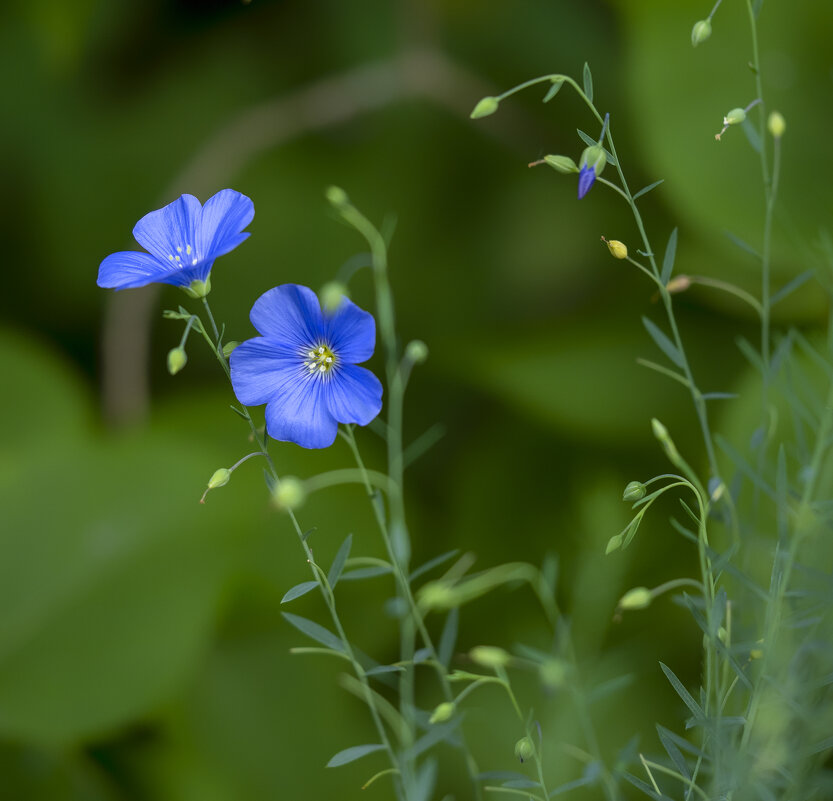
{"points": [[319, 359], [184, 257]]}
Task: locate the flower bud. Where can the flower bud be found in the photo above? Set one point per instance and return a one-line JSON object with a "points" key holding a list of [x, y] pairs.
{"points": [[637, 598], [614, 543], [757, 653], [416, 351], [443, 712], [229, 347], [337, 197], [437, 595], [562, 164], [735, 116], [635, 491], [679, 283], [289, 493], [595, 157], [619, 250], [219, 479], [487, 106], [553, 674], [524, 749], [701, 31], [198, 289], [177, 359], [331, 294], [490, 656], [661, 433], [776, 124]]}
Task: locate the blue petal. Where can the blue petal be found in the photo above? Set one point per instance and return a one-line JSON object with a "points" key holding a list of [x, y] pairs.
{"points": [[290, 314], [162, 231], [351, 333], [299, 413], [354, 395], [223, 218], [585, 180], [129, 269], [261, 369]]}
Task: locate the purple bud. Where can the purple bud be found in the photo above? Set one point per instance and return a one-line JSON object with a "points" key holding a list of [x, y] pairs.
{"points": [[585, 180]]}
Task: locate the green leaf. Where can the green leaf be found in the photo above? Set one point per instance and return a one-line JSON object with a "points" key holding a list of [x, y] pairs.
{"points": [[298, 590], [365, 572], [663, 342], [790, 287], [448, 638], [353, 753], [338, 563], [553, 90], [684, 694], [668, 258], [314, 631], [646, 189], [432, 563], [588, 82]]}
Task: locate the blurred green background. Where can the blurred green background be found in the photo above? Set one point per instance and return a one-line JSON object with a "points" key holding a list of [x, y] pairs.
{"points": [[142, 652]]}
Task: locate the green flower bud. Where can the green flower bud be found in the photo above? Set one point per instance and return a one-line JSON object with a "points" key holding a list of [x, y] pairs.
{"points": [[416, 351], [524, 749], [177, 359], [337, 197], [219, 479], [553, 673], [776, 124], [487, 106], [614, 543], [437, 595], [331, 294], [229, 347], [594, 157], [490, 656], [289, 493], [661, 433], [637, 598], [701, 31], [562, 164], [198, 289], [443, 712], [735, 116], [635, 491]]}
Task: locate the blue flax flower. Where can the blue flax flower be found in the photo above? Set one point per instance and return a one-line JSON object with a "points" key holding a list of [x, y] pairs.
{"points": [[304, 366], [182, 239]]}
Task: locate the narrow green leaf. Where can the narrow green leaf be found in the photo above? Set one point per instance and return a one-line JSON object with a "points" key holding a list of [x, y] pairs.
{"points": [[354, 753], [587, 139], [752, 135], [432, 563], [588, 82], [680, 742], [663, 343], [736, 240], [338, 563], [665, 371], [744, 466], [752, 356], [790, 287], [553, 90], [781, 492], [668, 258], [684, 694], [609, 687], [646, 189], [719, 395], [365, 572], [238, 412], [314, 631], [381, 669], [298, 590], [422, 444], [448, 639]]}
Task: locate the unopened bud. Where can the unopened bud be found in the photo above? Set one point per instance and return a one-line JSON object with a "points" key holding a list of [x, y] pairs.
{"points": [[757, 653], [637, 598], [490, 656], [416, 351], [619, 250], [437, 595], [487, 106], [614, 543], [701, 31], [442, 712], [776, 124], [635, 491], [219, 479], [337, 197], [524, 749], [332, 293], [735, 116], [177, 359], [595, 157], [562, 164], [661, 433], [553, 673], [198, 289], [679, 283], [229, 347], [289, 493]]}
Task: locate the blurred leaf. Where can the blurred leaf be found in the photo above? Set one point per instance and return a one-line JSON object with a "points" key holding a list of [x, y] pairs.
{"points": [[314, 631], [338, 563], [353, 753], [668, 258], [298, 590], [587, 79], [663, 342]]}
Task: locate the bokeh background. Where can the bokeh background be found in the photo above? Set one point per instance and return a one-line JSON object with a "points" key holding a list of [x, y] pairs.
{"points": [[142, 651]]}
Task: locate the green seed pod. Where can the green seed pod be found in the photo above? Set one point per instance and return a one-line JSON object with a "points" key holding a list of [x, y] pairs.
{"points": [[524, 749], [701, 31], [337, 197], [487, 106], [219, 479], [635, 491], [776, 124], [177, 359], [490, 656], [735, 116], [416, 351], [289, 493], [661, 433], [562, 164], [229, 347], [198, 289], [331, 294], [443, 712], [637, 598]]}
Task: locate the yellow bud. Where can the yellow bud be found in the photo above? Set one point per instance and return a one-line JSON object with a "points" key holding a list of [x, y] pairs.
{"points": [[177, 359], [490, 656], [487, 106], [679, 283], [776, 124], [289, 493], [637, 598], [442, 712], [619, 250]]}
